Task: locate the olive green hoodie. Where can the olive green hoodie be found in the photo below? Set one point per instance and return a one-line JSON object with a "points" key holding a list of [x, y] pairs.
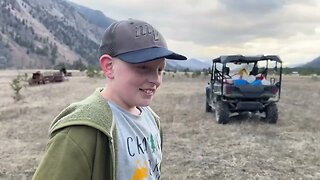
{"points": [[81, 144]]}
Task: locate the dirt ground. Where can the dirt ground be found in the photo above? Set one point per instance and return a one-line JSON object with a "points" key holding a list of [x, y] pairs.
{"points": [[195, 146]]}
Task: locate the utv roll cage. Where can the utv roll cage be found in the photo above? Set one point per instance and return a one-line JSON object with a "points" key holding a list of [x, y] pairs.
{"points": [[244, 59], [244, 92]]}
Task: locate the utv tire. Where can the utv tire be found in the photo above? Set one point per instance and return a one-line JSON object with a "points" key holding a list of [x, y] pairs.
{"points": [[208, 108], [222, 112], [271, 113]]}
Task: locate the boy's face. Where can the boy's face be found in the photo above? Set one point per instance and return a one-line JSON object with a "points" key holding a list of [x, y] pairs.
{"points": [[135, 84]]}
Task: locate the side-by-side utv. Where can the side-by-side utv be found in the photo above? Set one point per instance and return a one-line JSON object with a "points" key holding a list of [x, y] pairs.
{"points": [[228, 92]]}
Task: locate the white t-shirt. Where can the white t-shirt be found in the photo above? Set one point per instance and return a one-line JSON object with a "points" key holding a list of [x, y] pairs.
{"points": [[138, 144]]}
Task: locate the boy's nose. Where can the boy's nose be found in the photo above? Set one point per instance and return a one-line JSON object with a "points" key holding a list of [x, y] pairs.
{"points": [[155, 78]]}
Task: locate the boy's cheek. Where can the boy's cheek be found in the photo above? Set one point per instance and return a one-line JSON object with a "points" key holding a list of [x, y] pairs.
{"points": [[159, 84], [160, 80]]}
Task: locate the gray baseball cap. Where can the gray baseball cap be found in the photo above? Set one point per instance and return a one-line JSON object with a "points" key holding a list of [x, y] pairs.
{"points": [[135, 41]]}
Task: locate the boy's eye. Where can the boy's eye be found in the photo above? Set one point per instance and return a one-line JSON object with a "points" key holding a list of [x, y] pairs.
{"points": [[146, 68], [160, 71], [142, 67]]}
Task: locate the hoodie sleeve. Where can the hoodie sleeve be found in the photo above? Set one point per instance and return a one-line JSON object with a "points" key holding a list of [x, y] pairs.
{"points": [[66, 157]]}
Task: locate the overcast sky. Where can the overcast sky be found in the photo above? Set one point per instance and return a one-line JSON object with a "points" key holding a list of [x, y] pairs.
{"points": [[205, 29]]}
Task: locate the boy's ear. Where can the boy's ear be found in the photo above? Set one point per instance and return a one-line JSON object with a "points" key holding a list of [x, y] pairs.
{"points": [[106, 64]]}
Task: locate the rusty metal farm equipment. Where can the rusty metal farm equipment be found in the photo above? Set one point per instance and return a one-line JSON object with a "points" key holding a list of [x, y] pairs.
{"points": [[39, 78]]}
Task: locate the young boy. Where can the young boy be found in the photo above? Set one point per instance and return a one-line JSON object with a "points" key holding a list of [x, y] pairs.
{"points": [[113, 134]]}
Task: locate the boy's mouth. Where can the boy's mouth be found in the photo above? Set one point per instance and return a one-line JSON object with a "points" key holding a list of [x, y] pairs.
{"points": [[149, 92]]}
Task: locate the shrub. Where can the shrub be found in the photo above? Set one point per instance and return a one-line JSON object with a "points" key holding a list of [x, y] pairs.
{"points": [[196, 74], [186, 74], [93, 72], [90, 72], [16, 85]]}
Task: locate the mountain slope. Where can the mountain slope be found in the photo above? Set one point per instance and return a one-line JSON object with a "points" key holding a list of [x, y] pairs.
{"points": [[190, 64], [313, 64], [94, 16], [41, 34]]}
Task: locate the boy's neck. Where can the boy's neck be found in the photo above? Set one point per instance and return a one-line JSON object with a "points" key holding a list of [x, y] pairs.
{"points": [[133, 110]]}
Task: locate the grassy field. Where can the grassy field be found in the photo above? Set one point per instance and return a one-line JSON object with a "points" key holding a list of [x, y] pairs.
{"points": [[195, 146]]}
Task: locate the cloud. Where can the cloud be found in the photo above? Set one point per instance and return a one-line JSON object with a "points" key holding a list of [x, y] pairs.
{"points": [[224, 26], [253, 7], [207, 28]]}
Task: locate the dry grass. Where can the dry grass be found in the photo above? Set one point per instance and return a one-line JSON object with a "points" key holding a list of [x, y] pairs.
{"points": [[195, 147]]}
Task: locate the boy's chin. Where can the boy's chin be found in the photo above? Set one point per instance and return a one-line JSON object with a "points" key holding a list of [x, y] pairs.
{"points": [[144, 103]]}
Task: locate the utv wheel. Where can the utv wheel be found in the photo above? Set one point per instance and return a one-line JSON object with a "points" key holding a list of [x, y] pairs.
{"points": [[222, 112], [271, 113], [208, 108]]}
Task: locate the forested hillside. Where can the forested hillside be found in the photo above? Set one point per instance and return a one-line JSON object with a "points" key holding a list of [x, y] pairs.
{"points": [[42, 34]]}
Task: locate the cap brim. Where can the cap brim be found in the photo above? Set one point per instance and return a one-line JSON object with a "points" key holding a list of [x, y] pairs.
{"points": [[149, 54]]}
